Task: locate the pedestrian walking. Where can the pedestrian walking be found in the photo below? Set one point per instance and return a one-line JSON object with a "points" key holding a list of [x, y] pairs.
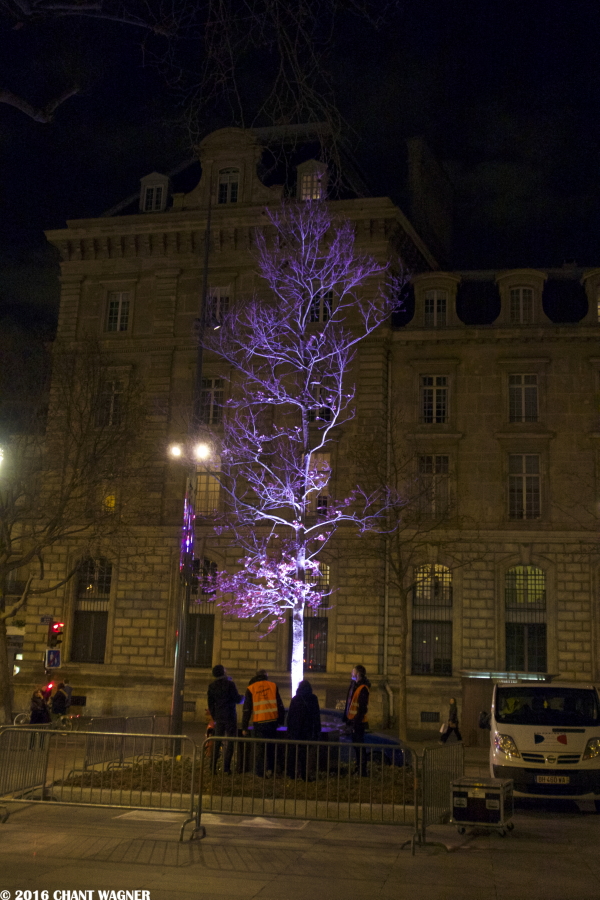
{"points": [[223, 698], [452, 723], [39, 713], [355, 715], [303, 724], [263, 703]]}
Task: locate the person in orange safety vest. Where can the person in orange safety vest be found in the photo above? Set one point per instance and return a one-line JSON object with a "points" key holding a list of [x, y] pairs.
{"points": [[263, 703], [355, 715]]}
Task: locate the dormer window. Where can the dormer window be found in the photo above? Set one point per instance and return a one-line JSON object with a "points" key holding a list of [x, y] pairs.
{"points": [[521, 306], [229, 180], [436, 306], [311, 187], [312, 180], [154, 193], [153, 198]]}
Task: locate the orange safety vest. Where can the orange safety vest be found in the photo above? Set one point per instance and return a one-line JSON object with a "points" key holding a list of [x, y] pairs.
{"points": [[354, 702], [264, 701]]}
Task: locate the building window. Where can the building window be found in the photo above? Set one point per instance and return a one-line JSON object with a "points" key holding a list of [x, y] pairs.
{"points": [[208, 489], [218, 305], [153, 198], [525, 619], [91, 611], [200, 635], [311, 186], [320, 472], [522, 398], [436, 304], [524, 490], [434, 399], [315, 626], [321, 306], [432, 621], [229, 180], [321, 413], [433, 486], [110, 403], [211, 401], [117, 317], [521, 306], [201, 617]]}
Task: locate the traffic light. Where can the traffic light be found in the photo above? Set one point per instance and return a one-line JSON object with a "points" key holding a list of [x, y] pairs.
{"points": [[55, 630]]}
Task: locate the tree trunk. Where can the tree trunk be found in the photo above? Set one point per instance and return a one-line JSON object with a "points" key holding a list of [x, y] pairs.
{"points": [[402, 699], [6, 702], [297, 647]]}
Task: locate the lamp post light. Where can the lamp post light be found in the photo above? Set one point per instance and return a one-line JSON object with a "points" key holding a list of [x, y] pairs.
{"points": [[199, 451], [196, 451]]}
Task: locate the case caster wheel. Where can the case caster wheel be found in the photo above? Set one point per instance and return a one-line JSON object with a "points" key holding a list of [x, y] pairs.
{"points": [[502, 832], [510, 826], [461, 829]]}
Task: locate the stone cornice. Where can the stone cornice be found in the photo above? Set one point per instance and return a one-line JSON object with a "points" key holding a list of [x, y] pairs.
{"points": [[497, 334]]}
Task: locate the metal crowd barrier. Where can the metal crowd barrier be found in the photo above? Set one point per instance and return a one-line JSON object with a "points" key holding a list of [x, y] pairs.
{"points": [[153, 771], [118, 748], [435, 770], [317, 780]]}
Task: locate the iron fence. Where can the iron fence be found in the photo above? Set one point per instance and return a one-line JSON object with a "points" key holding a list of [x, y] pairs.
{"points": [[318, 780], [148, 771]]}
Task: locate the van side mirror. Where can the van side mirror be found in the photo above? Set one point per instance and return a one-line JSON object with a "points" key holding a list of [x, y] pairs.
{"points": [[484, 719]]}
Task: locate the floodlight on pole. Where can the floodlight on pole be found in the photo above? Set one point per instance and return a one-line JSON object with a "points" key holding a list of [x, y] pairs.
{"points": [[176, 451]]}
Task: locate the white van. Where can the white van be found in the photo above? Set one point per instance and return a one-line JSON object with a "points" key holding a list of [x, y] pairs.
{"points": [[546, 737]]}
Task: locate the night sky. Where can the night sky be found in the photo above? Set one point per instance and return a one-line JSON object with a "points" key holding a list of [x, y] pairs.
{"points": [[506, 94]]}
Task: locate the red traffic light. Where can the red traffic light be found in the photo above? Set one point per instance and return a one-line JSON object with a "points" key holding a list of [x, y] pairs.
{"points": [[55, 632]]}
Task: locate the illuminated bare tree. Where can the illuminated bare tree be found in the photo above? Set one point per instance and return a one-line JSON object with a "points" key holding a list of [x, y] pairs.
{"points": [[291, 353]]}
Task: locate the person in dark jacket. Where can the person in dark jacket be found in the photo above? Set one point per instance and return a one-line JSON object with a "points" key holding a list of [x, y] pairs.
{"points": [[355, 715], [39, 713], [303, 724], [263, 703], [452, 723], [60, 702], [223, 698]]}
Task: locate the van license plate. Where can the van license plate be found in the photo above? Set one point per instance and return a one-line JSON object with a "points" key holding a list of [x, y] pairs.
{"points": [[552, 779]]}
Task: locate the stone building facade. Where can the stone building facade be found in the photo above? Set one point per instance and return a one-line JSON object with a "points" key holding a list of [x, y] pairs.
{"points": [[493, 428]]}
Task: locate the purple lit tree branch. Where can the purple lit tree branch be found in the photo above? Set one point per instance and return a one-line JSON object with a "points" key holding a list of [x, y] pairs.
{"points": [[290, 352]]}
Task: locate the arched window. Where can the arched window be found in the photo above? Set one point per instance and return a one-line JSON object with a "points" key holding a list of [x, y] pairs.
{"points": [[432, 621], [229, 180], [201, 615], [525, 619], [94, 579]]}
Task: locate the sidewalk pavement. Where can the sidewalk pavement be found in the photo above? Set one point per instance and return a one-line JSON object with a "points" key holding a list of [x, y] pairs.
{"points": [[551, 855]]}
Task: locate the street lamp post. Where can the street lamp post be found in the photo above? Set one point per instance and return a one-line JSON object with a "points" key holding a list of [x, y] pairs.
{"points": [[200, 451]]}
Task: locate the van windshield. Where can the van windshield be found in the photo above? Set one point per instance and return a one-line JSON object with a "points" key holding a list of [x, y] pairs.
{"points": [[558, 706]]}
